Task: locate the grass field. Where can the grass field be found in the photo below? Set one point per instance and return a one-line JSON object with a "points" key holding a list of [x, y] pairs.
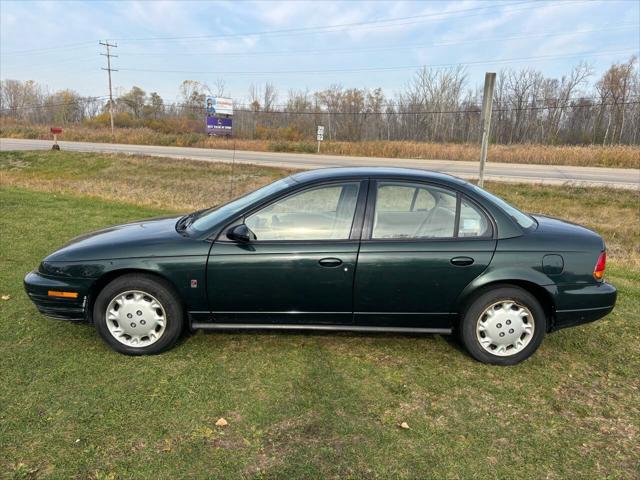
{"points": [[623, 156], [298, 405]]}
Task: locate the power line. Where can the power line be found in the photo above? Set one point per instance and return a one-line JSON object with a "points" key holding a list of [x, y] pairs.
{"points": [[55, 105], [381, 47], [322, 28], [381, 69], [327, 112], [247, 107], [318, 28], [54, 65], [433, 112], [415, 19], [239, 106], [68, 46], [41, 66]]}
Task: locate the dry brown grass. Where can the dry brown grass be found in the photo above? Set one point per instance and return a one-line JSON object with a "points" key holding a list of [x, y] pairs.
{"points": [[622, 156], [183, 185], [180, 185]]}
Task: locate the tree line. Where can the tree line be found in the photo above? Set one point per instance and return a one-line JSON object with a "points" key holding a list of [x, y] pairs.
{"points": [[436, 105]]}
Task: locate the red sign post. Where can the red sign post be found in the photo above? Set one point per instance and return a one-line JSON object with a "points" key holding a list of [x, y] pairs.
{"points": [[55, 131]]}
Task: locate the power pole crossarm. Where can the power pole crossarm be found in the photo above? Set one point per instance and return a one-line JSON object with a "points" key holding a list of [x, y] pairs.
{"points": [[487, 105], [108, 46]]}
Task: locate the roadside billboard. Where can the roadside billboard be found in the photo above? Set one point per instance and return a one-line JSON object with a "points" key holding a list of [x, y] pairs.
{"points": [[219, 126], [218, 106]]}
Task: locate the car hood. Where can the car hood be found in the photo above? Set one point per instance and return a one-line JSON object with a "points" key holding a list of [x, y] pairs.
{"points": [[145, 238]]}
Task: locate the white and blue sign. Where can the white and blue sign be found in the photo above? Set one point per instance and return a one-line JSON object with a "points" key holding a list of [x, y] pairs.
{"points": [[218, 106]]}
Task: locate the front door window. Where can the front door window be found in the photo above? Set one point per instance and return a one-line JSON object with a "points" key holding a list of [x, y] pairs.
{"points": [[321, 213]]}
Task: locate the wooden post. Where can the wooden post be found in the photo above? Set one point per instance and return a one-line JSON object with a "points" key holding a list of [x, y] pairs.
{"points": [[487, 104]]}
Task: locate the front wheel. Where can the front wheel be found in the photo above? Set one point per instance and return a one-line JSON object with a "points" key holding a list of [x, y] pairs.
{"points": [[503, 326], [138, 314]]}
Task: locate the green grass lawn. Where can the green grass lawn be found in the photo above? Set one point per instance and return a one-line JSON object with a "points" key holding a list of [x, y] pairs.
{"points": [[301, 405]]}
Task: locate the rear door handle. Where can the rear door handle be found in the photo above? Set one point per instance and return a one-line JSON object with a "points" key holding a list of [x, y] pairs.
{"points": [[462, 261], [330, 262]]}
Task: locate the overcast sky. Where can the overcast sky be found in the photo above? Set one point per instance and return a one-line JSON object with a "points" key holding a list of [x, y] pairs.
{"points": [[304, 44]]}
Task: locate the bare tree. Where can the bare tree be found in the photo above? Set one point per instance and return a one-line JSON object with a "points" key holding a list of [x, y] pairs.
{"points": [[270, 97], [254, 97], [193, 95], [219, 87], [435, 105], [616, 86]]}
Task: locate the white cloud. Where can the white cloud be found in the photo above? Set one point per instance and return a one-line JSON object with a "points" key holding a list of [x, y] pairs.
{"points": [[26, 25]]}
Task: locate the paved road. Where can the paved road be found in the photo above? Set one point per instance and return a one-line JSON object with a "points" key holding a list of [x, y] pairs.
{"points": [[506, 172]]}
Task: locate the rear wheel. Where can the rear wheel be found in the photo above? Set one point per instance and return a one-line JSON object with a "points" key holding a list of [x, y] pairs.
{"points": [[503, 326], [138, 314]]}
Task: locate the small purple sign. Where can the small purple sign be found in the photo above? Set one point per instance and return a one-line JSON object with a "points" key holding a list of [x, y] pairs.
{"points": [[219, 126]]}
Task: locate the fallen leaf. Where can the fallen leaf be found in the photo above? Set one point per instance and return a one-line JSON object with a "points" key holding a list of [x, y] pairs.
{"points": [[6, 297], [404, 425], [222, 422]]}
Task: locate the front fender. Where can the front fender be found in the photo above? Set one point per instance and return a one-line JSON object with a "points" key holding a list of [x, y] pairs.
{"points": [[185, 273]]}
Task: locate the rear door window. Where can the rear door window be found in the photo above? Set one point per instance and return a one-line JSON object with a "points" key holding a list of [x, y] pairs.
{"points": [[410, 211], [473, 222], [421, 211]]}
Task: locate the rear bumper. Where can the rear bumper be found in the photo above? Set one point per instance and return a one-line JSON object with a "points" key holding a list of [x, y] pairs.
{"points": [[38, 285], [578, 304]]}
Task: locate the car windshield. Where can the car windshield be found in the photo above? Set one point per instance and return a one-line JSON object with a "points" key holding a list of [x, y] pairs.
{"points": [[211, 217], [525, 221]]}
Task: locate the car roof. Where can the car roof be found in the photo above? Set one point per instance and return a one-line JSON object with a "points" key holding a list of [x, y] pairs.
{"points": [[366, 172]]}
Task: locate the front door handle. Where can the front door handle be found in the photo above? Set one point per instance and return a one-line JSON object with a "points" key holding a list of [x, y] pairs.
{"points": [[462, 261], [330, 262]]}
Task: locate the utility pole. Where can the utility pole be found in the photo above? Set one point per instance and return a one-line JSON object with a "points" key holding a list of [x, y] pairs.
{"points": [[109, 69], [487, 104]]}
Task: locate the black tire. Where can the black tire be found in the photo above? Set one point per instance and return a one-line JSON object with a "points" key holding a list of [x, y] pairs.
{"points": [[154, 286], [472, 315]]}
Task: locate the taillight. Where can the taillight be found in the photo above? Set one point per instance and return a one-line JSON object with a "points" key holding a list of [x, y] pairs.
{"points": [[598, 272]]}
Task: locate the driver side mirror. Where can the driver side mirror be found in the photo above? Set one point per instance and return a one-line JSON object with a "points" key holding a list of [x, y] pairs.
{"points": [[241, 233]]}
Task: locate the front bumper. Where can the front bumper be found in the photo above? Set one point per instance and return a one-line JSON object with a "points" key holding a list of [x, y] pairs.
{"points": [[37, 286], [578, 304]]}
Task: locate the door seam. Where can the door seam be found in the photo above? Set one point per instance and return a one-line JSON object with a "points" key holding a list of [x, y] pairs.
{"points": [[355, 267]]}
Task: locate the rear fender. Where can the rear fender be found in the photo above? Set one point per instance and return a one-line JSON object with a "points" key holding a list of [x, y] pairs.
{"points": [[534, 281]]}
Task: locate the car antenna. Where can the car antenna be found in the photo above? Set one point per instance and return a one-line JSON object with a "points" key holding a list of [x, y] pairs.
{"points": [[233, 164]]}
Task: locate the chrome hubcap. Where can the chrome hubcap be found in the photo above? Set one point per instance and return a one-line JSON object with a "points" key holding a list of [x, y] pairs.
{"points": [[136, 318], [505, 328]]}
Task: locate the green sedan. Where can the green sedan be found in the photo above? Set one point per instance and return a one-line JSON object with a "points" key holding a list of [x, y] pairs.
{"points": [[350, 249]]}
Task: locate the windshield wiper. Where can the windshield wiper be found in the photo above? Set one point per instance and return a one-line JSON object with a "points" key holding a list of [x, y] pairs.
{"points": [[187, 220], [181, 225]]}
